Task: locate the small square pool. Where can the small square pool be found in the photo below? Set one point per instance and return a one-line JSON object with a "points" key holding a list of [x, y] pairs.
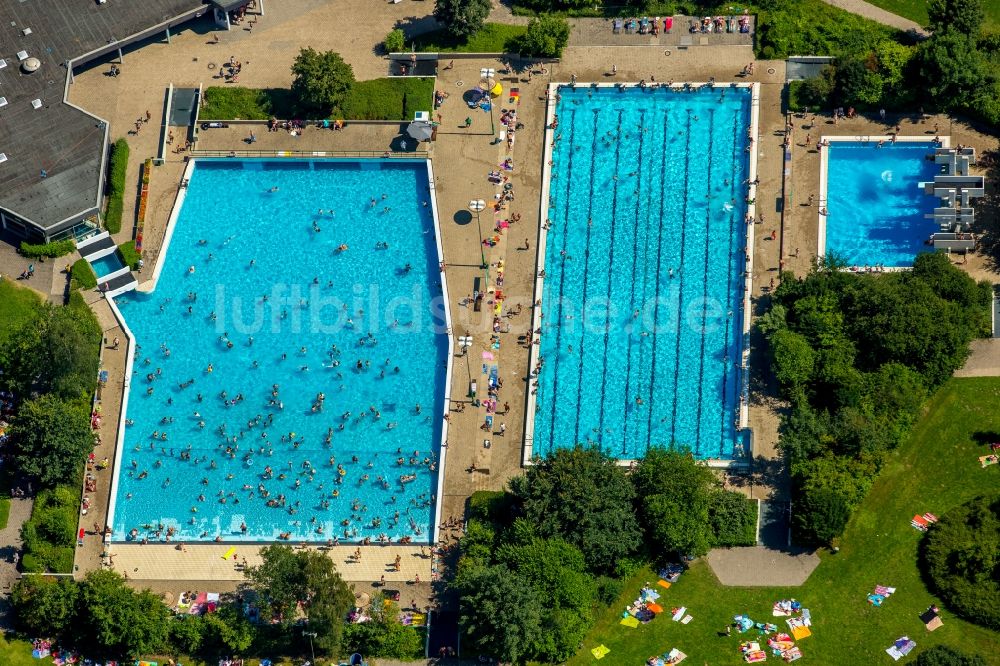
{"points": [[875, 205], [107, 264]]}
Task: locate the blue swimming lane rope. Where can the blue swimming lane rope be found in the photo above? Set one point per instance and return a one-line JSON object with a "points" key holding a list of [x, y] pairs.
{"points": [[729, 287], [562, 280], [704, 291], [659, 267], [611, 263], [680, 277], [631, 307]]}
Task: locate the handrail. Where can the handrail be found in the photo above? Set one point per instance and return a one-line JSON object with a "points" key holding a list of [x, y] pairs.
{"points": [[310, 153]]}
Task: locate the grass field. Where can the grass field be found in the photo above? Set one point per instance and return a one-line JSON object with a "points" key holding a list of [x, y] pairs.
{"points": [[916, 10], [936, 469], [491, 38], [393, 98], [17, 305]]}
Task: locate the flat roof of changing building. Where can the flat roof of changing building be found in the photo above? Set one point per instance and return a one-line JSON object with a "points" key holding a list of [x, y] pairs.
{"points": [[49, 135]]}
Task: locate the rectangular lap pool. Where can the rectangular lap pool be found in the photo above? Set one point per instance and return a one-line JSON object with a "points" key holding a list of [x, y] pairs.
{"points": [[874, 204], [645, 263], [290, 366]]}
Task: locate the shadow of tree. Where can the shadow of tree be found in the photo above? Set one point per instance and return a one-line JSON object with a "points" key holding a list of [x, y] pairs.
{"points": [[988, 210]]}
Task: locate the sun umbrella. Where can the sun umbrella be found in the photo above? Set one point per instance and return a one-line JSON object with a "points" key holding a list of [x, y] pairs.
{"points": [[420, 130]]}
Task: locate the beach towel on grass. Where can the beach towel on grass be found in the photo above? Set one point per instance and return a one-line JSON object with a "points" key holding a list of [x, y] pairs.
{"points": [[630, 622], [675, 656], [679, 613], [601, 651], [664, 584], [901, 648]]}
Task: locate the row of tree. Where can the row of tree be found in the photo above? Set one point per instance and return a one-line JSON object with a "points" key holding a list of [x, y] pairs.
{"points": [[857, 355], [535, 562], [546, 35], [293, 592], [954, 70]]}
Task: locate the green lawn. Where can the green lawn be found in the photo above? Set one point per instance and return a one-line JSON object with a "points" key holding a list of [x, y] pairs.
{"points": [[18, 653], [491, 38], [933, 471], [916, 10], [17, 306], [377, 99]]}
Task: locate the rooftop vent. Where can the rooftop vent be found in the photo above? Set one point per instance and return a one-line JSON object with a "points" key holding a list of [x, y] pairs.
{"points": [[36, 103], [26, 32], [3, 63], [3, 101], [3, 157], [31, 65], [22, 55]]}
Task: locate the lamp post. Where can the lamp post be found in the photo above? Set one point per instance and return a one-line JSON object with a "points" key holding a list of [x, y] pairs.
{"points": [[311, 635], [477, 206], [465, 341]]}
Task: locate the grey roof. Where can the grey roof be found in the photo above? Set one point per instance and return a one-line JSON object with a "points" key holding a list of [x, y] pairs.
{"points": [[65, 142]]}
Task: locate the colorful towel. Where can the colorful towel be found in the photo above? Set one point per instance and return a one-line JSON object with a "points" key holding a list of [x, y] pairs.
{"points": [[664, 584], [986, 461], [675, 656], [679, 613], [629, 622], [601, 651]]}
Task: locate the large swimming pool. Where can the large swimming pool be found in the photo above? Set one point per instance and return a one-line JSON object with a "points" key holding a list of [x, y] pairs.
{"points": [[875, 205], [289, 373], [644, 271]]}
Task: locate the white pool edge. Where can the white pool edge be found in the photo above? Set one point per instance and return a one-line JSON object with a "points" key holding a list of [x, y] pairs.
{"points": [[824, 157], [527, 452], [150, 286]]}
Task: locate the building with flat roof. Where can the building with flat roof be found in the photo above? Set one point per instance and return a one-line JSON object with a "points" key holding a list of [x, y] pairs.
{"points": [[53, 154]]}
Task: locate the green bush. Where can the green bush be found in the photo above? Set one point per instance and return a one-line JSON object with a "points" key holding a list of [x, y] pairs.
{"points": [[50, 534], [943, 655], [493, 506], [117, 169], [961, 559], [130, 255], [82, 275], [546, 37], [733, 518], [812, 27], [238, 103], [395, 41], [609, 589], [51, 250], [813, 93], [462, 18]]}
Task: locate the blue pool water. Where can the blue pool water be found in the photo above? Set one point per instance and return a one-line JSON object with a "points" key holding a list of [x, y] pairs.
{"points": [[642, 318], [258, 367], [874, 204], [107, 264]]}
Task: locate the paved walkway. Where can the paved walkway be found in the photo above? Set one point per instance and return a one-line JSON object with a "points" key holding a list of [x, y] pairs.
{"points": [[984, 361], [868, 10], [10, 552], [755, 566]]}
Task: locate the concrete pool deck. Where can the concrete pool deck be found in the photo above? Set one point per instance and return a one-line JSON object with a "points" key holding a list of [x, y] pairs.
{"points": [[462, 159]]}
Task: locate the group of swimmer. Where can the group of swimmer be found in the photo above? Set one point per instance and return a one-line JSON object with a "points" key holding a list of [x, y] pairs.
{"points": [[363, 492]]}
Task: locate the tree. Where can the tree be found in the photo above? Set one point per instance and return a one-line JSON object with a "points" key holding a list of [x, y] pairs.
{"points": [[322, 79], [961, 557], [951, 68], [118, 621], [286, 578], [819, 516], [187, 633], [673, 495], [228, 631], [793, 361], [383, 636], [45, 606], [52, 439], [70, 342], [962, 16], [546, 37], [462, 18], [942, 655], [500, 612], [395, 41], [582, 496], [732, 518]]}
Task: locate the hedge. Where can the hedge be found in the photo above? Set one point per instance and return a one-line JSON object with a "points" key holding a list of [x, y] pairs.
{"points": [[51, 250], [82, 275], [50, 534], [130, 255], [395, 98], [117, 170]]}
